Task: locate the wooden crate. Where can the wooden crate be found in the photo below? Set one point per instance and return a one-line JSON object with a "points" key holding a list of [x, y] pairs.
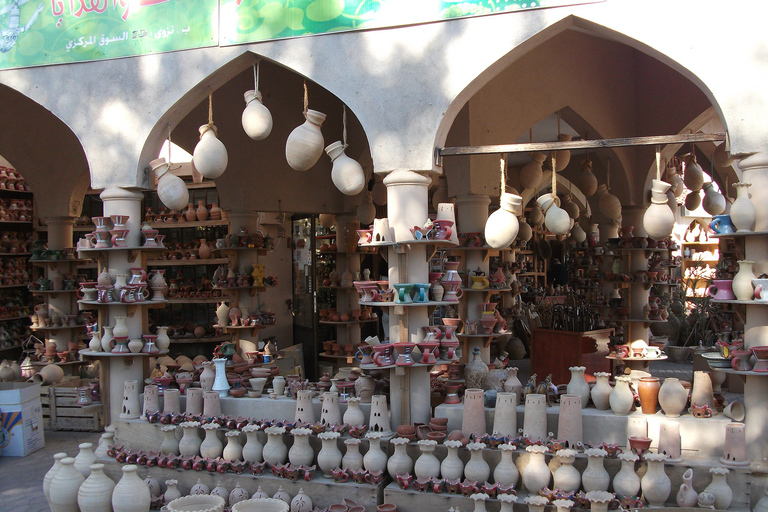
{"points": [[67, 414], [45, 401]]}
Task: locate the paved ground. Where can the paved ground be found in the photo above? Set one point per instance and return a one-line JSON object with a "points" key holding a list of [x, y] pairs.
{"points": [[21, 479]]}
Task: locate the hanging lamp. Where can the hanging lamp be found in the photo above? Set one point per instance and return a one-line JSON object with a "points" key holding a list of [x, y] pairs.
{"points": [[256, 118], [347, 174], [305, 143], [210, 155], [502, 226], [659, 219]]}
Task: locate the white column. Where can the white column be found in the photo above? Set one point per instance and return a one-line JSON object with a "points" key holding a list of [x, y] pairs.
{"points": [[408, 206], [60, 232], [471, 215]]}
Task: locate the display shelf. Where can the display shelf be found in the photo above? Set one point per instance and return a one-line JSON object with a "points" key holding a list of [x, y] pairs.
{"points": [[52, 293], [408, 304], [16, 222], [337, 287], [90, 353], [351, 322], [251, 289], [7, 286], [4, 349], [378, 244], [240, 328], [414, 365], [188, 224], [12, 318], [59, 262], [738, 234], [116, 303], [334, 356], [14, 254], [259, 250], [186, 263], [486, 290], [208, 339], [702, 243], [755, 302], [116, 249], [64, 327], [200, 300], [438, 243], [748, 373], [633, 359]]}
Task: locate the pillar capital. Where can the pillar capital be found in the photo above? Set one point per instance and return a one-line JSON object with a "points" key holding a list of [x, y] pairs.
{"points": [[407, 178]]}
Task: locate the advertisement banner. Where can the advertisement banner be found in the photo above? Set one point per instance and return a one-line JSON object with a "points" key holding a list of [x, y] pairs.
{"points": [[245, 21], [34, 33]]}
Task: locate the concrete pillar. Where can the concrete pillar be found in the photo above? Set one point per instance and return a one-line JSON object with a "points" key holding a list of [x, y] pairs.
{"points": [[471, 215], [60, 232], [637, 261], [408, 206], [119, 369]]}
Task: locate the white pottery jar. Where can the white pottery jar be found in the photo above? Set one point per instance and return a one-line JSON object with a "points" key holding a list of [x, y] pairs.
{"points": [[301, 502], [531, 173], [535, 417], [207, 376], [513, 384], [222, 314], [85, 458], [621, 398], [153, 484], [567, 477], [536, 474], [610, 205], [505, 472], [57, 458], [353, 459], [399, 463], [354, 415], [599, 500], [278, 386], [95, 344], [64, 486], [713, 201], [742, 281], [275, 451], [693, 176], [189, 446], [561, 505], [427, 465], [209, 156], [473, 415], [256, 118], [194, 405], [578, 385], [330, 410], [743, 211], [719, 488], [557, 220], [252, 451], [673, 397], [601, 391], [329, 457], [162, 342], [131, 494], [452, 467], [135, 345], [626, 482], [502, 225], [262, 505], [106, 339], [301, 453], [171, 189], [655, 483], [233, 451], [595, 477], [702, 392], [106, 441], [211, 446], [479, 499], [305, 412], [220, 382], [305, 143], [170, 444], [659, 219], [687, 496], [375, 459], [171, 491], [347, 174]]}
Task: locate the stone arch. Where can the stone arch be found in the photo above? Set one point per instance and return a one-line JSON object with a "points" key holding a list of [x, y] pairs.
{"points": [[254, 163], [46, 152]]}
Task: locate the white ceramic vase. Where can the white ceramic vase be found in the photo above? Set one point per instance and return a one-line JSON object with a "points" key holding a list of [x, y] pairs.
{"points": [[190, 442], [171, 190], [256, 118], [502, 226], [171, 491], [352, 459], [742, 281], [601, 392], [743, 212], [399, 463], [131, 494], [578, 384], [209, 156], [64, 487], [693, 176], [452, 467], [220, 382], [655, 484], [427, 465], [162, 342], [275, 451], [673, 397], [535, 417], [506, 472], [301, 453], [375, 459], [566, 476], [305, 143], [513, 385], [536, 474], [713, 201], [233, 451], [170, 444], [626, 482], [354, 415], [211, 446], [621, 398], [329, 456], [51, 473], [253, 449], [595, 477], [719, 488], [659, 219], [687, 496], [84, 459], [505, 414]]}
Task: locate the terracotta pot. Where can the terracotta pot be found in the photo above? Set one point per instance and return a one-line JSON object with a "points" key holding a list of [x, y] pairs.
{"points": [[648, 389]]}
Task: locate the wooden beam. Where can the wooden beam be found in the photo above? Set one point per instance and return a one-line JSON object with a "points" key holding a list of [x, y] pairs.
{"points": [[577, 144]]}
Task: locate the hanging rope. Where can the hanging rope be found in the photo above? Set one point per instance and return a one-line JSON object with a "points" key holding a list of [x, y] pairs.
{"points": [[658, 163], [503, 165], [554, 177], [256, 75], [306, 98], [344, 124], [558, 123], [210, 125], [169, 144], [608, 173]]}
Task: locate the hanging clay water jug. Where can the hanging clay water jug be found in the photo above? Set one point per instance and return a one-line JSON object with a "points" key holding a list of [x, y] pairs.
{"points": [[64, 486], [209, 156], [562, 156], [347, 174], [524, 231], [678, 187], [687, 496], [713, 201], [452, 467], [570, 206], [595, 477], [305, 143], [587, 181], [427, 465], [131, 494], [601, 391], [626, 482], [95, 494], [659, 219], [502, 226], [742, 281], [530, 174], [536, 215], [655, 484], [578, 384], [743, 210], [557, 220], [477, 469], [693, 175], [329, 456], [673, 397], [171, 189], [609, 205], [621, 398], [256, 118], [719, 488], [536, 474], [692, 201]]}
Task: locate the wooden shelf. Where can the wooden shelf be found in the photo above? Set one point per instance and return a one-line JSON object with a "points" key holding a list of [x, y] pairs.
{"points": [[15, 222], [6, 286], [89, 353], [18, 345], [351, 322], [15, 254], [259, 250], [199, 300], [12, 318], [739, 234], [747, 302], [701, 243], [82, 326], [205, 339], [188, 224], [59, 262], [186, 263], [409, 304]]}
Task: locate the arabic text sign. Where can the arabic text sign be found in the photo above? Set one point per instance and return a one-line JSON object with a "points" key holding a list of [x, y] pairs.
{"points": [[244, 21], [59, 31]]}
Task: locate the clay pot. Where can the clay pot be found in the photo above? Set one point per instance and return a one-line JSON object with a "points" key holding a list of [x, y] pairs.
{"points": [[305, 143], [601, 391], [578, 385], [502, 226], [256, 118], [595, 477], [530, 174], [48, 374], [713, 201], [659, 219], [655, 484], [626, 482], [621, 398], [673, 397], [743, 212], [57, 458], [301, 453], [209, 156], [171, 189], [64, 487], [131, 494], [95, 494], [587, 180], [347, 174], [648, 389], [198, 503]]}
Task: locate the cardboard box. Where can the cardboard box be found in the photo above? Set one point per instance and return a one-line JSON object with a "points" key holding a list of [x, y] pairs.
{"points": [[21, 419]]}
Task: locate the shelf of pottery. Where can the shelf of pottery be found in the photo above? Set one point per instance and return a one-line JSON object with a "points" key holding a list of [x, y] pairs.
{"points": [[123, 291], [700, 257], [15, 278]]}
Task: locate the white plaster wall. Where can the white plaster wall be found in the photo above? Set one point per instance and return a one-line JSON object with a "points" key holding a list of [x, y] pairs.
{"points": [[407, 84]]}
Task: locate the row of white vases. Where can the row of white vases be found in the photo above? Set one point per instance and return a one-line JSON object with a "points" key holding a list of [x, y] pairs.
{"points": [[79, 484]]}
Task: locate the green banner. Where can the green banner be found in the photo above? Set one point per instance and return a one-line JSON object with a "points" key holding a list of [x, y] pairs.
{"points": [[244, 21], [59, 31]]}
